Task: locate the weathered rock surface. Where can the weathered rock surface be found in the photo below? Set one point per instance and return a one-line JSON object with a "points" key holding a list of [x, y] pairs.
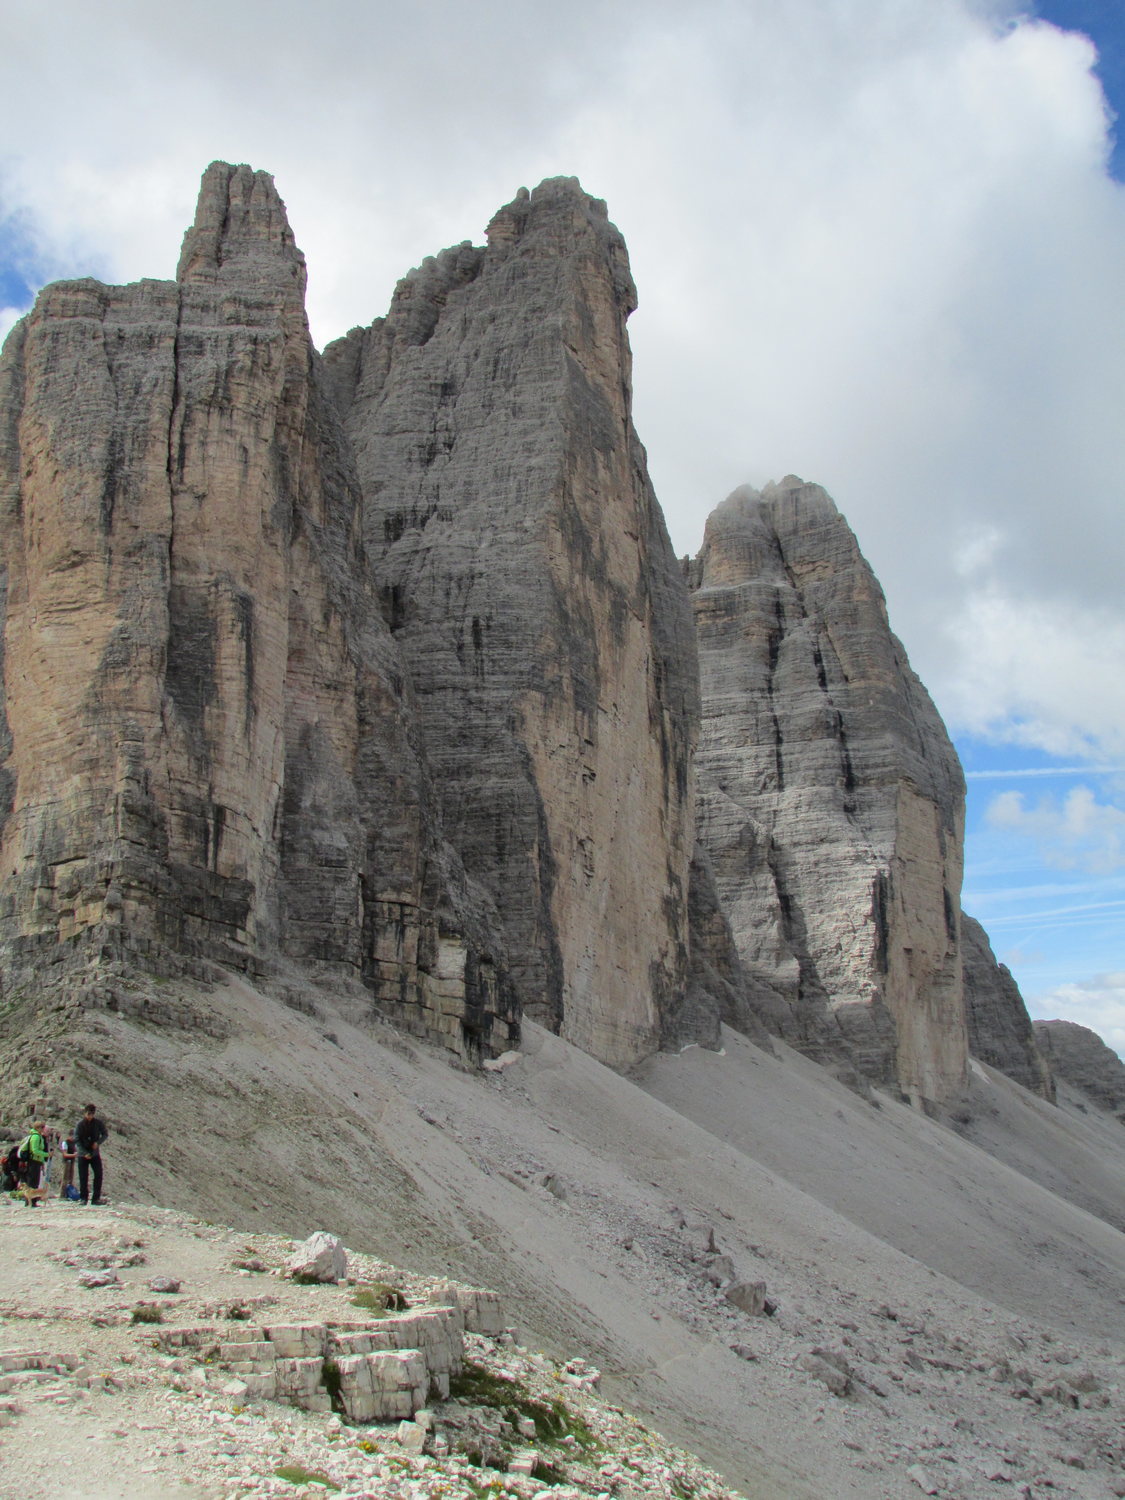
{"points": [[321, 1257], [208, 747], [525, 572], [384, 663], [1078, 1055], [1000, 1029], [831, 800]]}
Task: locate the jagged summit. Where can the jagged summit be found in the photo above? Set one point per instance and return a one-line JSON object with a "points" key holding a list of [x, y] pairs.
{"points": [[382, 662], [241, 231], [526, 576]]}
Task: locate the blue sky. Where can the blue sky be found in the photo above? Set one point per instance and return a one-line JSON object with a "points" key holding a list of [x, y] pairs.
{"points": [[878, 244], [1045, 875], [1103, 21]]}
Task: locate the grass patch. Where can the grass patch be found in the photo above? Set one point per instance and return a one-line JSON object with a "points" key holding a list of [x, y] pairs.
{"points": [[298, 1474], [378, 1297], [147, 1312], [553, 1420]]}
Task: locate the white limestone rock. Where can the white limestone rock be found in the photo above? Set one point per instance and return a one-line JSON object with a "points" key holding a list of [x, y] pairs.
{"points": [[321, 1258]]}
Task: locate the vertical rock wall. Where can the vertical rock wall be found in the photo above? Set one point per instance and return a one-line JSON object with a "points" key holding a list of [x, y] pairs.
{"points": [[1000, 1029], [208, 753], [831, 801], [525, 573]]}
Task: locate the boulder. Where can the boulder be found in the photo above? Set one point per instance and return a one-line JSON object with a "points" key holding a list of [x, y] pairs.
{"points": [[322, 1258], [749, 1296]]}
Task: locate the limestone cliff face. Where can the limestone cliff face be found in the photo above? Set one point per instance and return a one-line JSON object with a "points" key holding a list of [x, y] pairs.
{"points": [[525, 572], [1000, 1029], [831, 801], [1080, 1057], [208, 748]]}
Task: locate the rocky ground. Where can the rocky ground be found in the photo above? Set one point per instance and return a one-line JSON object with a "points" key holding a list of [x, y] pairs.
{"points": [[93, 1405], [933, 1319]]}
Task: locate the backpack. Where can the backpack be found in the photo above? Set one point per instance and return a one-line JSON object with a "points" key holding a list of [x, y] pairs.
{"points": [[72, 1193]]}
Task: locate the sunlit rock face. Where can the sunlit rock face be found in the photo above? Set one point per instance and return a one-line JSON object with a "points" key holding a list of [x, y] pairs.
{"points": [[831, 800], [525, 573], [208, 751], [1000, 1029]]}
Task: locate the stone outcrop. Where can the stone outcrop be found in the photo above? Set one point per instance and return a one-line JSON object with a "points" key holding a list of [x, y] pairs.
{"points": [[525, 573], [208, 750], [1079, 1056], [1000, 1029], [383, 662], [831, 800]]}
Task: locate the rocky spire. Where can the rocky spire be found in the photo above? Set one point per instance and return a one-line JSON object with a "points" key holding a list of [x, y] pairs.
{"points": [[212, 754], [526, 575], [241, 232], [831, 801]]}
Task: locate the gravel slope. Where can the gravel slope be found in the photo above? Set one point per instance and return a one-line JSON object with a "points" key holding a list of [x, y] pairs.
{"points": [[942, 1323]]}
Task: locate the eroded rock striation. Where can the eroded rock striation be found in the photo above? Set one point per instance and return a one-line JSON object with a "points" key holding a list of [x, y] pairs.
{"points": [[1078, 1055], [383, 662], [831, 800], [1000, 1029], [526, 575], [208, 747]]}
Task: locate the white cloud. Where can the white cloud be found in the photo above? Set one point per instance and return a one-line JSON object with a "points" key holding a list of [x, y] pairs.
{"points": [[874, 242], [9, 316], [1097, 1003], [1077, 833], [1039, 671]]}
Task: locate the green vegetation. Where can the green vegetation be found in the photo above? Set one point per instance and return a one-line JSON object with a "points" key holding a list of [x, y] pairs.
{"points": [[147, 1312], [378, 1297], [553, 1419], [298, 1474]]}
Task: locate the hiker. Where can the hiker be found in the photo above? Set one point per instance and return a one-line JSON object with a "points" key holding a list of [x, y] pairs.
{"points": [[69, 1153], [89, 1134], [34, 1155], [11, 1168]]}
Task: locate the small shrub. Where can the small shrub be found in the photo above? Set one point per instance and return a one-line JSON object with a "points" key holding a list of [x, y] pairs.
{"points": [[148, 1312], [553, 1420], [378, 1297], [298, 1474]]}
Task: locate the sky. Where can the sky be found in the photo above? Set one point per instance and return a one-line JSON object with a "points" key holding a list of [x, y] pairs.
{"points": [[878, 244]]}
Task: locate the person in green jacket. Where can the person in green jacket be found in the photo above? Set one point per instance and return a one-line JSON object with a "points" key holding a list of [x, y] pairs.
{"points": [[37, 1153]]}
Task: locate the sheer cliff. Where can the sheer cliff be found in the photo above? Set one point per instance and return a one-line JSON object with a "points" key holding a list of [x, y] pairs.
{"points": [[209, 751], [526, 575], [831, 800], [382, 663], [1000, 1029]]}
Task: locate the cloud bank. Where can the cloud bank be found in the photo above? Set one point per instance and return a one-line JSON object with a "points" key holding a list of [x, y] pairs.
{"points": [[875, 241]]}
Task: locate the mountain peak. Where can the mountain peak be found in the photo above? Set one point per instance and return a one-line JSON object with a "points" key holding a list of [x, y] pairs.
{"points": [[240, 220]]}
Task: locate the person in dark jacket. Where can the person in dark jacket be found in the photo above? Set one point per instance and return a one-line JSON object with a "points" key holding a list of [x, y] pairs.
{"points": [[89, 1134], [11, 1168]]}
